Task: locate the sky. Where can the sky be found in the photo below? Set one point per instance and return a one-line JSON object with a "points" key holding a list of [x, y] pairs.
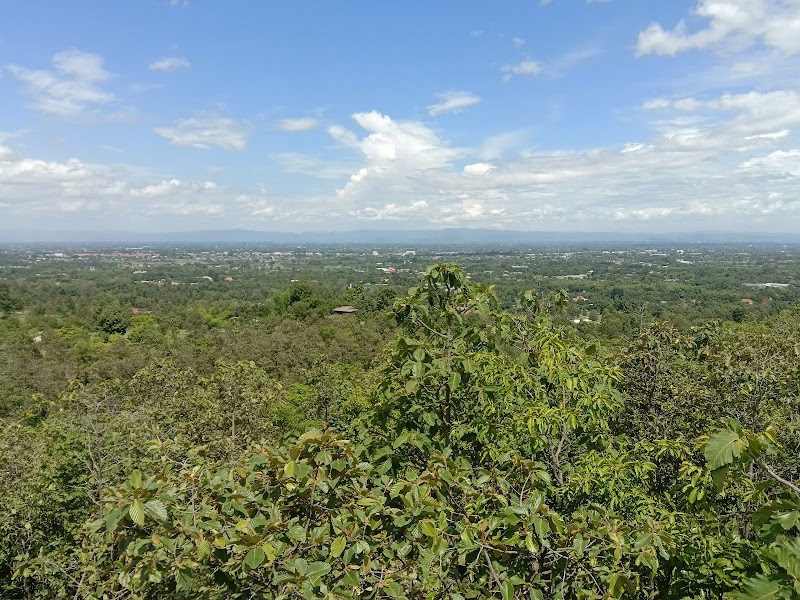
{"points": [[536, 115]]}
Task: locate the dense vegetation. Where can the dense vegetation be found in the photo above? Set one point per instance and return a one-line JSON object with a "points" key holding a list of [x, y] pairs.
{"points": [[446, 443]]}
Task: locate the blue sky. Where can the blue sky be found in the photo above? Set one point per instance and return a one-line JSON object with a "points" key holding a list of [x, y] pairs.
{"points": [[630, 115]]}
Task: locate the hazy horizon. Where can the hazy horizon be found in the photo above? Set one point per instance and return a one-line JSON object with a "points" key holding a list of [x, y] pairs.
{"points": [[454, 237], [631, 116]]}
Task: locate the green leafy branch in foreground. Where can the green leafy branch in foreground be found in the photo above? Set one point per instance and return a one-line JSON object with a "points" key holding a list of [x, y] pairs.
{"points": [[777, 522]]}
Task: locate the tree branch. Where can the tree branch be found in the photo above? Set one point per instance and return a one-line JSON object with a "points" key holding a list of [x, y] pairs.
{"points": [[777, 477]]}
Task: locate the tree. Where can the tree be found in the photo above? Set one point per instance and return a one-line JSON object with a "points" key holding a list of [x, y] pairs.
{"points": [[8, 302], [111, 318]]}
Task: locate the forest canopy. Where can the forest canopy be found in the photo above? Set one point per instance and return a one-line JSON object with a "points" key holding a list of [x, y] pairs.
{"points": [[458, 448]]}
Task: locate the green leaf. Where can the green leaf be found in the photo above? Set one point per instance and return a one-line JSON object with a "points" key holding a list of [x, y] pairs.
{"points": [[723, 448], [136, 512], [114, 517], [762, 588], [183, 580], [338, 546], [317, 570], [297, 533], [718, 477], [393, 590], [787, 555], [269, 550], [136, 479], [157, 509], [428, 528], [788, 519], [454, 381], [254, 558], [351, 578], [507, 590], [203, 549]]}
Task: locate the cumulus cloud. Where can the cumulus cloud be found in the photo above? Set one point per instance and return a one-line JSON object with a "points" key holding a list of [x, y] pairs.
{"points": [[719, 160], [729, 24], [394, 151], [158, 189], [42, 190], [73, 86], [526, 68], [453, 102], [205, 132], [298, 125], [169, 63], [392, 211]]}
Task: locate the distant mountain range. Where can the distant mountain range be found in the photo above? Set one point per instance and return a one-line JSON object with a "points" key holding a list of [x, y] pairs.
{"points": [[393, 237]]}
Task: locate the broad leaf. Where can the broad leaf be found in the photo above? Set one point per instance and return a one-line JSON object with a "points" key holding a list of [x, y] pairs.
{"points": [[136, 512], [254, 558], [157, 509], [762, 588], [338, 546], [723, 448]]}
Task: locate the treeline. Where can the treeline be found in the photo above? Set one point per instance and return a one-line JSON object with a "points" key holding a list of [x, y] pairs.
{"points": [[462, 451]]}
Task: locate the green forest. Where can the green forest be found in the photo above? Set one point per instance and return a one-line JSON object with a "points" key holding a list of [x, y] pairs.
{"points": [[465, 439]]}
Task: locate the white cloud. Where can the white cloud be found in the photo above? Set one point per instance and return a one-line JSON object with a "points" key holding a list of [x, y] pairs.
{"points": [[169, 63], [722, 161], [478, 169], [170, 187], [205, 132], [344, 137], [730, 24], [526, 68], [6, 153], [298, 125], [204, 186], [158, 189], [256, 206], [392, 211], [758, 118], [74, 86], [186, 208], [517, 42], [453, 102], [395, 151], [779, 162], [711, 162], [36, 191]]}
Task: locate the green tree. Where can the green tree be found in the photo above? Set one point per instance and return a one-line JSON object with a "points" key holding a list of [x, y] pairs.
{"points": [[8, 302]]}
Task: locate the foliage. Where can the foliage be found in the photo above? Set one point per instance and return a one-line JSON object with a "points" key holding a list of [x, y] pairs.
{"points": [[266, 449], [8, 302], [777, 522]]}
